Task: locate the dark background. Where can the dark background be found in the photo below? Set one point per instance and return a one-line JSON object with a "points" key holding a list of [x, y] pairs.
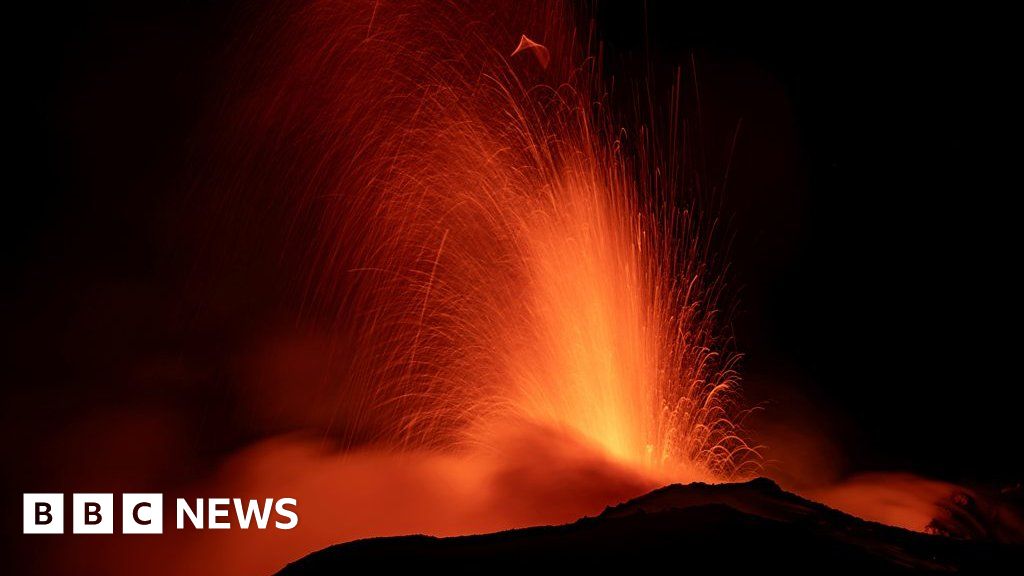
{"points": [[872, 196]]}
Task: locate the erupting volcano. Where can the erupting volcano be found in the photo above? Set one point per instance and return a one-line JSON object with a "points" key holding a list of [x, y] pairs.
{"points": [[500, 296], [529, 294]]}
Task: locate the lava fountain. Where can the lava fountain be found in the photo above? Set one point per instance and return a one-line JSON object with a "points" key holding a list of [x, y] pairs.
{"points": [[516, 257], [523, 289]]}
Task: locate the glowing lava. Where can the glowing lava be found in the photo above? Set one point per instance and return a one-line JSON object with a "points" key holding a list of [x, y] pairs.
{"points": [[522, 296], [515, 257]]}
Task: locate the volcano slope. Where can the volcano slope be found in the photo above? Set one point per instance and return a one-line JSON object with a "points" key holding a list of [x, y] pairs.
{"points": [[686, 528]]}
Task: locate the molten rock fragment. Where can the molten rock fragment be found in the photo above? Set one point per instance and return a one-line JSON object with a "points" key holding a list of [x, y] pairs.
{"points": [[538, 50]]}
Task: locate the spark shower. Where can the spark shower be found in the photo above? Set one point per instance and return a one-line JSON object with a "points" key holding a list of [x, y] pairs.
{"points": [[509, 254]]}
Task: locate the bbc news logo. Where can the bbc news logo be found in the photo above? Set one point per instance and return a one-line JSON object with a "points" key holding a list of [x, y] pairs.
{"points": [[94, 513]]}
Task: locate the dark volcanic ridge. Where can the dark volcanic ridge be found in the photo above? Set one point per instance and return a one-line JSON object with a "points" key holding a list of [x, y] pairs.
{"points": [[721, 527]]}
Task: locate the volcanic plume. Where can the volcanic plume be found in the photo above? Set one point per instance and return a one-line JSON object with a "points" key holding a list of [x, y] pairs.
{"points": [[519, 258], [526, 295], [501, 251]]}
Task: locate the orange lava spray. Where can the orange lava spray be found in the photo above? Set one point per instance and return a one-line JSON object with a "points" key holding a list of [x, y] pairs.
{"points": [[516, 258]]}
